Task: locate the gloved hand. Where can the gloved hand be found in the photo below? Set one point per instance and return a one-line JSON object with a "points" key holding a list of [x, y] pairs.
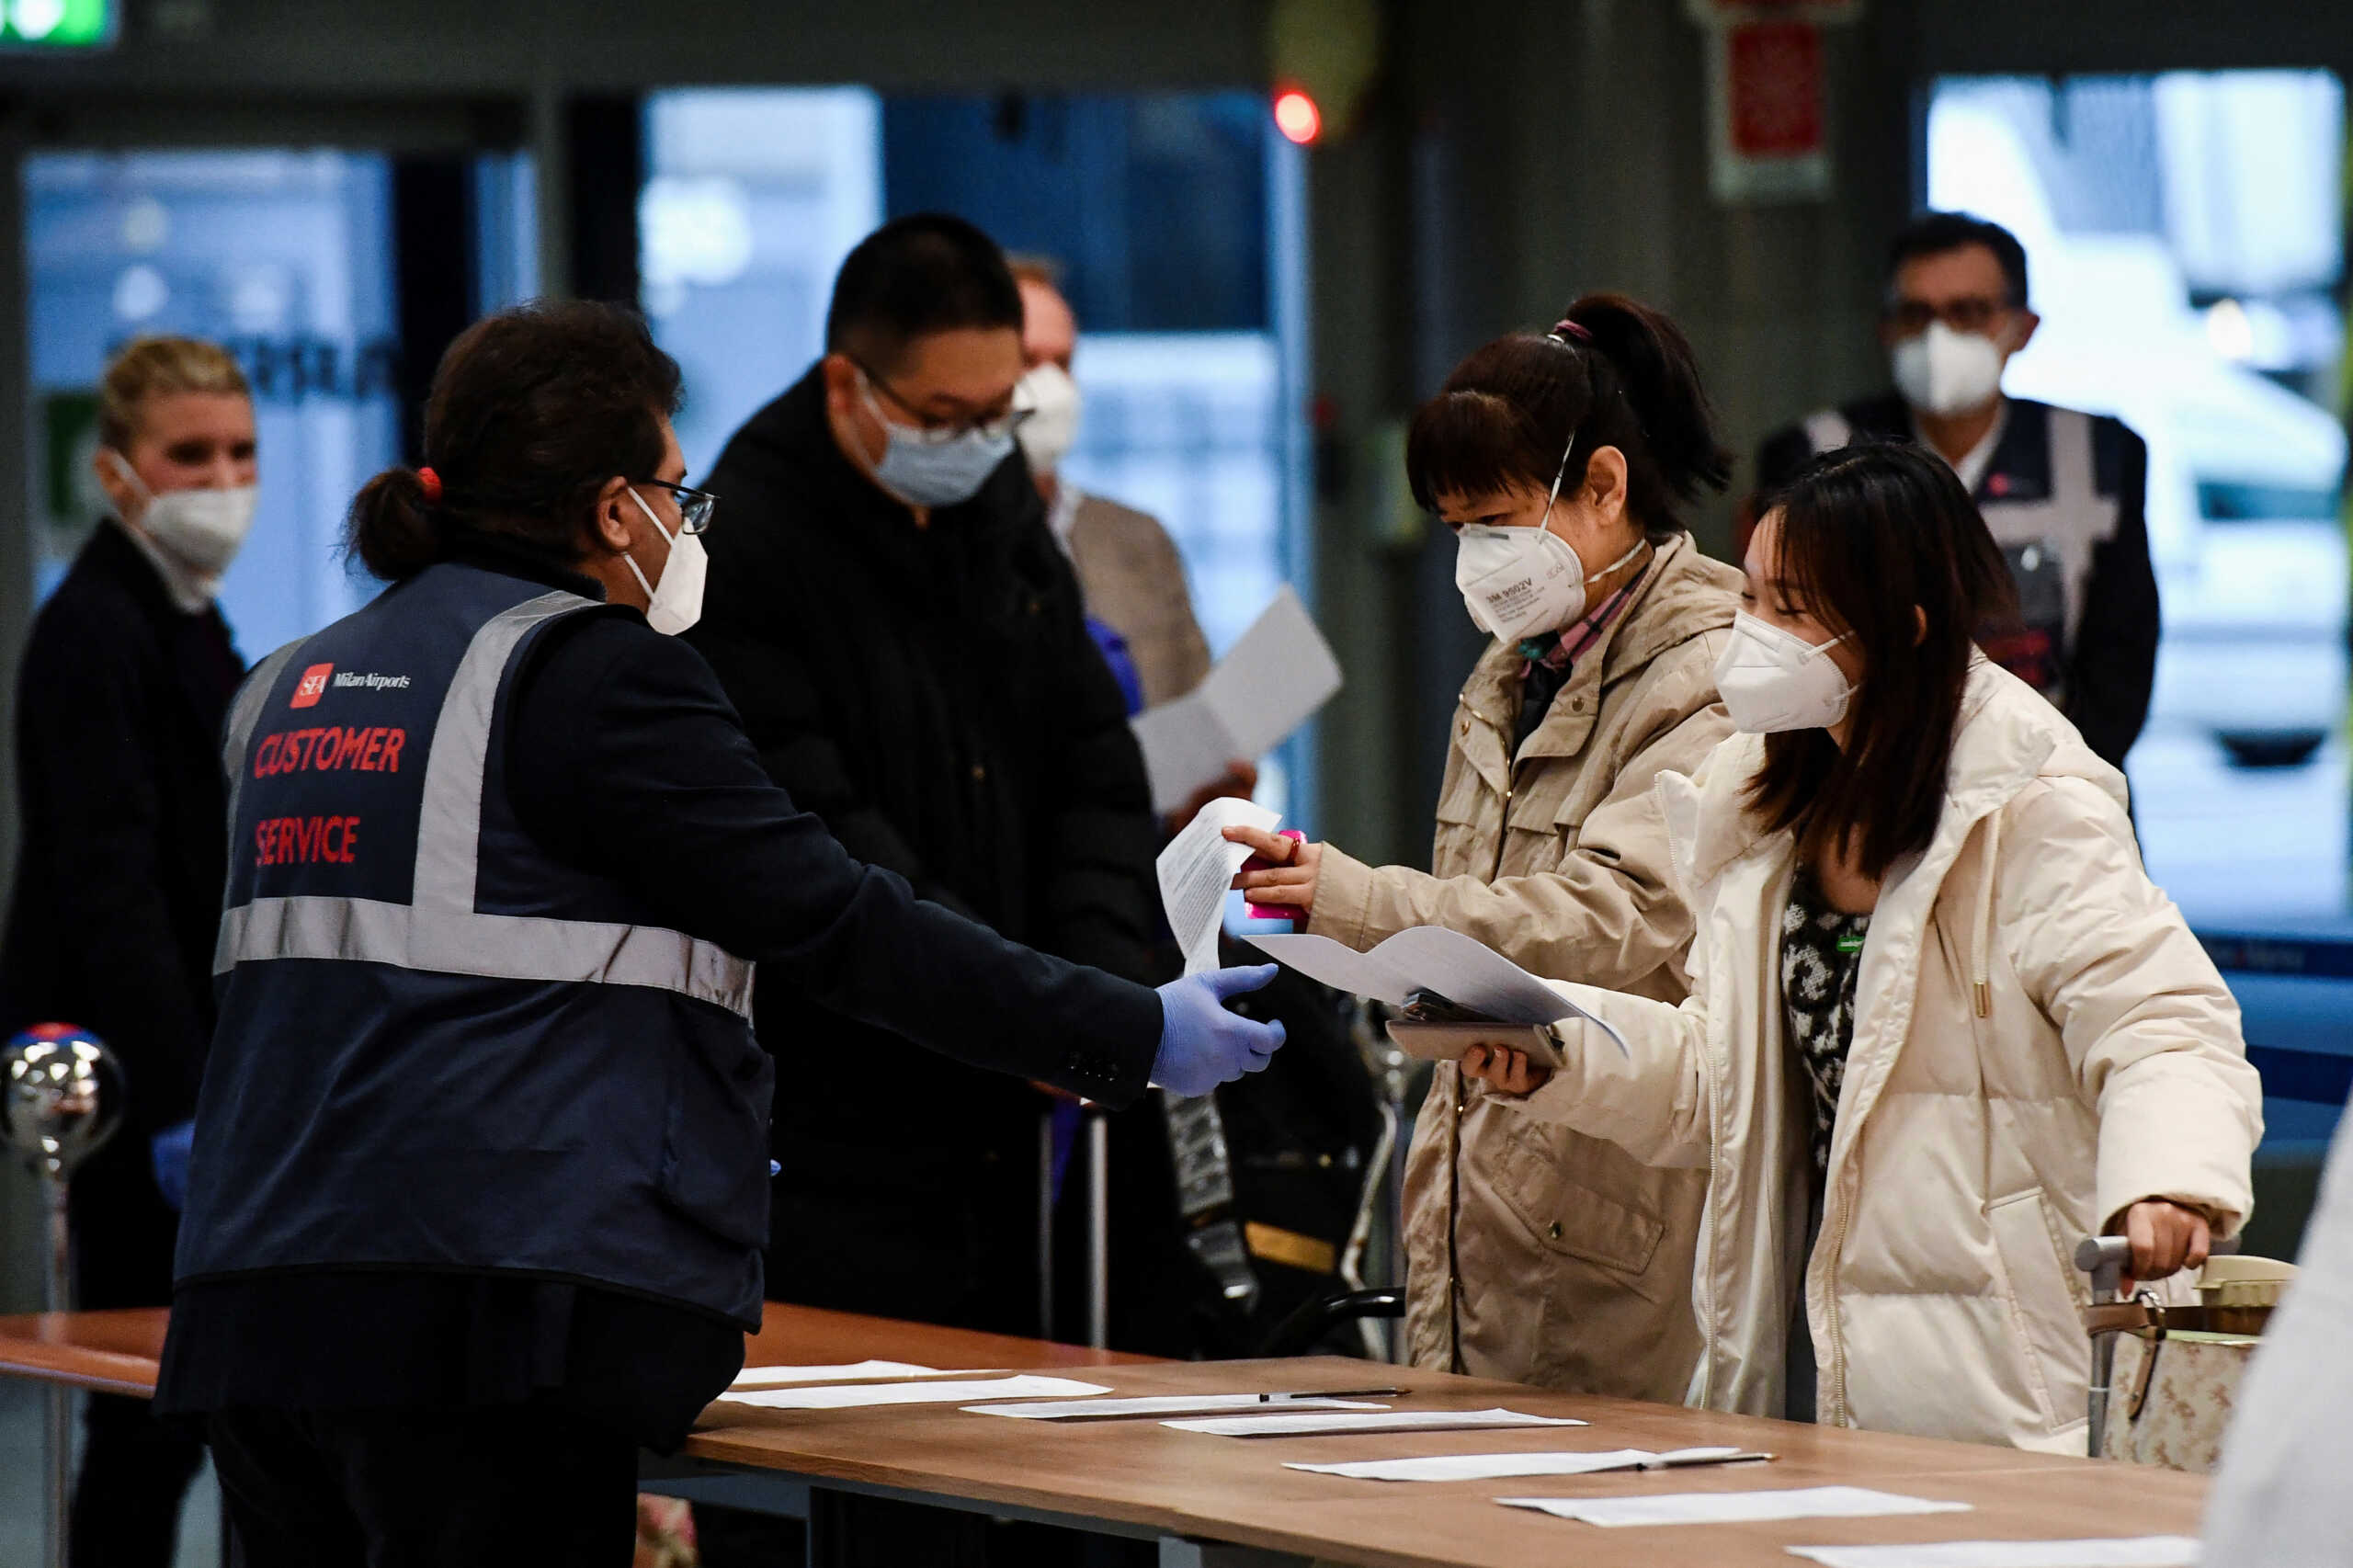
{"points": [[1201, 1044], [167, 1151]]}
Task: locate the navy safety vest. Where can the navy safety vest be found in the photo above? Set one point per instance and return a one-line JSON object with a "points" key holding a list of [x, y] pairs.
{"points": [[439, 1048]]}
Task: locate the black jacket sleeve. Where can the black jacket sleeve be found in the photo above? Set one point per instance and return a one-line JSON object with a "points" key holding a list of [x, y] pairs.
{"points": [[2113, 664], [91, 793], [1096, 837], [624, 758], [784, 721]]}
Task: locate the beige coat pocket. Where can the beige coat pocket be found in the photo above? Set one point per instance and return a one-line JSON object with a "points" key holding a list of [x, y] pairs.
{"points": [[2041, 1301], [1566, 1216]]}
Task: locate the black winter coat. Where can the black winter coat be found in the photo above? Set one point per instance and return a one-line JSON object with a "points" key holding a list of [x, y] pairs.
{"points": [[934, 696], [120, 796]]}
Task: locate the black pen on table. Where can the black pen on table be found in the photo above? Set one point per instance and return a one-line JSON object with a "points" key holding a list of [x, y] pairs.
{"points": [[1335, 1393]]}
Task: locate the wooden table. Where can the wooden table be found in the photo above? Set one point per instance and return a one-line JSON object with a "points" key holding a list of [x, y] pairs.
{"points": [[1230, 1501], [1140, 1478]]}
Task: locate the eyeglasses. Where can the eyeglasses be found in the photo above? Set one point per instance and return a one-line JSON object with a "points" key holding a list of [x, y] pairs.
{"points": [[1974, 314], [937, 430], [695, 507]]}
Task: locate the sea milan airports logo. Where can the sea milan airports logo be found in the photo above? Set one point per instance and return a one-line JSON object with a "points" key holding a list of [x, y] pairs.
{"points": [[311, 687]]}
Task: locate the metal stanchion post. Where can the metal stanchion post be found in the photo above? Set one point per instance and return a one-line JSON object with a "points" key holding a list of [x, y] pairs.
{"points": [[57, 1296], [1098, 1230], [1046, 1224], [62, 1099]]}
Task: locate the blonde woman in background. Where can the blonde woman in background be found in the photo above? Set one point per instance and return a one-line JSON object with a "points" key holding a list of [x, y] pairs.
{"points": [[120, 702]]}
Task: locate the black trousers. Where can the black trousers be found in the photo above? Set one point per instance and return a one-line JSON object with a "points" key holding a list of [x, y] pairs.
{"points": [[480, 1488], [135, 1469]]}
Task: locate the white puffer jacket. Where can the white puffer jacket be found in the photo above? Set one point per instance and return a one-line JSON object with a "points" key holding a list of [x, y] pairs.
{"points": [[2039, 1044]]}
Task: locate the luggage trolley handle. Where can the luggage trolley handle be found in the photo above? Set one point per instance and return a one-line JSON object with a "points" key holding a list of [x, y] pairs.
{"points": [[2105, 1258]]}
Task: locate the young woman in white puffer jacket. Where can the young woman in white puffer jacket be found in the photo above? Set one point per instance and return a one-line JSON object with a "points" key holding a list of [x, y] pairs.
{"points": [[1941, 1024]]}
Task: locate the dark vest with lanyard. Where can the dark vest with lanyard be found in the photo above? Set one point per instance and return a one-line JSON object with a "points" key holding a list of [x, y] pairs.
{"points": [[2044, 501], [439, 1048]]}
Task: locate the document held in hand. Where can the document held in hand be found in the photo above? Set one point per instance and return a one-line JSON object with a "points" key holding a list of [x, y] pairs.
{"points": [[1271, 682], [1195, 871], [1431, 958]]}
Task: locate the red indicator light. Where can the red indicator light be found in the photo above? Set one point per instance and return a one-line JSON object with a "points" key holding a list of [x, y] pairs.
{"points": [[1297, 116]]}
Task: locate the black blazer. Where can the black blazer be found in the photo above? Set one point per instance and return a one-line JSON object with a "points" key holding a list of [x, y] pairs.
{"points": [[119, 704]]}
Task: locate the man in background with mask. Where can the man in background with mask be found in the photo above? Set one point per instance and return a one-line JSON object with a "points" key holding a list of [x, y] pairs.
{"points": [[119, 701], [1129, 571], [905, 643], [2062, 491]]}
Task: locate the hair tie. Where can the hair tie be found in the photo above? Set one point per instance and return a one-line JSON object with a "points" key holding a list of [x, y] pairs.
{"points": [[430, 482], [1566, 328]]}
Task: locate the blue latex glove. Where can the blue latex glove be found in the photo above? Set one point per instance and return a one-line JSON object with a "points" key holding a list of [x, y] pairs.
{"points": [[167, 1151], [1201, 1044]]}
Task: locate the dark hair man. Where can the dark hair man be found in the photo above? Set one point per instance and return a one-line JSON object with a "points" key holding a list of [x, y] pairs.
{"points": [[905, 643], [2062, 491]]}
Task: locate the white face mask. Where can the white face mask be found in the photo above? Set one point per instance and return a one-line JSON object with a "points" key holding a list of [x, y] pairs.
{"points": [[675, 602], [202, 529], [1944, 372], [1517, 583], [1773, 680], [925, 469], [1051, 428]]}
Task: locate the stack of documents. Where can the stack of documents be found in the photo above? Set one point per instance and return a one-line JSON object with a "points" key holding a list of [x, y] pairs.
{"points": [[1431, 958], [934, 1391], [852, 1371], [1165, 1405], [1494, 1467], [1386, 1421], [2135, 1551], [1734, 1508]]}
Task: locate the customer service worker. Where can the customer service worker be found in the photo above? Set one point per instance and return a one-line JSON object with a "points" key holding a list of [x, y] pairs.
{"points": [[480, 1170], [1941, 1025]]}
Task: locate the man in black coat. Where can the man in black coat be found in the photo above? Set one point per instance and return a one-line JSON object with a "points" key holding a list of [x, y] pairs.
{"points": [[889, 614], [119, 704]]}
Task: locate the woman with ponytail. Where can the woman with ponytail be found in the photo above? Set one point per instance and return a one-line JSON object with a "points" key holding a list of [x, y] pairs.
{"points": [[1561, 461]]}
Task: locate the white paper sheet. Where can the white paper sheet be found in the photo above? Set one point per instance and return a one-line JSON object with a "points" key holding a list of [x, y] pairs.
{"points": [[1496, 1467], [1267, 685], [946, 1390], [2127, 1551], [777, 1377], [1196, 870], [1389, 1421], [1431, 958], [1162, 1404], [1734, 1508]]}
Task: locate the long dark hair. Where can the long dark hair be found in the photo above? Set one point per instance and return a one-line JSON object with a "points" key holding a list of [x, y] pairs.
{"points": [[1880, 543], [1616, 372], [532, 410]]}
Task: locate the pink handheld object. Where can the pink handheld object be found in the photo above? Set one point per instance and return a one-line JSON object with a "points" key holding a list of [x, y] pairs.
{"points": [[1260, 863]]}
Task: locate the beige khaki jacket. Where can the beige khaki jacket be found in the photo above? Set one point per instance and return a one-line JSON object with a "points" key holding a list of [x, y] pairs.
{"points": [[1133, 581], [1566, 1261], [2039, 1044]]}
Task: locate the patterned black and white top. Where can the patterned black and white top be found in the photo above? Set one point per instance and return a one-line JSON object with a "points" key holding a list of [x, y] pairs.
{"points": [[1821, 952]]}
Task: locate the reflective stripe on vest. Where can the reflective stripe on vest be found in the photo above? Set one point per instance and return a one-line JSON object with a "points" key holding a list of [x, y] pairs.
{"points": [[440, 929]]}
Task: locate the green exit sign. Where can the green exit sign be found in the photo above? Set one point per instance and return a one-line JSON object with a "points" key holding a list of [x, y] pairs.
{"points": [[56, 24]]}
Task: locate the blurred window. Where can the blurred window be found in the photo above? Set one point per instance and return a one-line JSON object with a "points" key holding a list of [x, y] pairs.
{"points": [[2185, 238]]}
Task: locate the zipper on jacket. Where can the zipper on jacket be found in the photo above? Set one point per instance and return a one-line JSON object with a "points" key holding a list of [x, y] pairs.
{"points": [[1454, 1133], [1453, 1221]]}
